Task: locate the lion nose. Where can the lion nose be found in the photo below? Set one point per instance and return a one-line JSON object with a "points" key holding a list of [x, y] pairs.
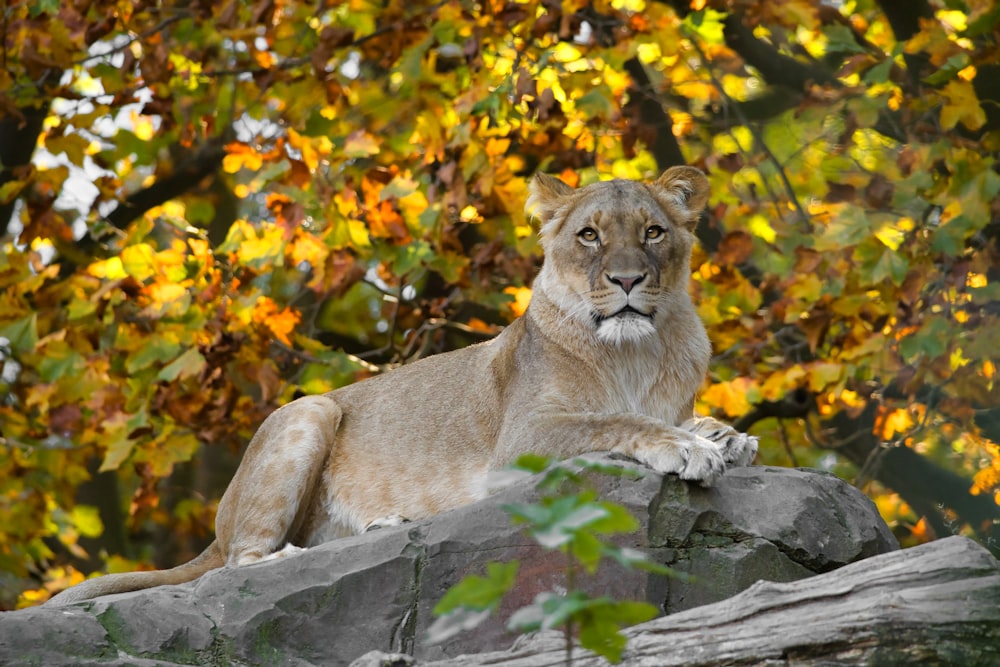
{"points": [[627, 282]]}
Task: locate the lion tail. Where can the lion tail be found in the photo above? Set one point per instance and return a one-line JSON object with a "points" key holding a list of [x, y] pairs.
{"points": [[209, 559]]}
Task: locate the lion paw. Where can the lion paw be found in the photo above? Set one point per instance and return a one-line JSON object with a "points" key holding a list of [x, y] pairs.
{"points": [[738, 449], [696, 460]]}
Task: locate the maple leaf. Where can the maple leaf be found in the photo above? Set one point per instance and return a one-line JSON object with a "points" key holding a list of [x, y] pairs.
{"points": [[962, 106]]}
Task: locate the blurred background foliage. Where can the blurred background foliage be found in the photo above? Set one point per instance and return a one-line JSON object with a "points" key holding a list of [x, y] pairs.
{"points": [[210, 208]]}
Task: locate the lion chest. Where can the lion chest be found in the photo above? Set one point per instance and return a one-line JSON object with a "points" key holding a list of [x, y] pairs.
{"points": [[639, 387]]}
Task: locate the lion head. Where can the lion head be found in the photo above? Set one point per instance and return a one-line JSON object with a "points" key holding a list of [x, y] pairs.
{"points": [[617, 252]]}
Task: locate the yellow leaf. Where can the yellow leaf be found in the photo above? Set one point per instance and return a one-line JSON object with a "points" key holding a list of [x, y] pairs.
{"points": [[360, 144], [956, 360], [894, 422], [117, 445], [962, 106], [976, 280], [761, 228], [165, 292], [86, 520], [309, 249], [730, 397], [313, 149], [137, 261], [470, 214], [142, 126], [496, 146], [823, 374], [258, 249], [111, 269], [240, 156], [522, 297], [782, 381], [891, 235]]}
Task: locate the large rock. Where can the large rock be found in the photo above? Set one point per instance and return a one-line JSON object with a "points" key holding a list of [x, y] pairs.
{"points": [[333, 603], [936, 604]]}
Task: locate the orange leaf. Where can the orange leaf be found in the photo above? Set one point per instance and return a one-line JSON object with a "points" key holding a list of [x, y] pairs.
{"points": [[280, 322]]}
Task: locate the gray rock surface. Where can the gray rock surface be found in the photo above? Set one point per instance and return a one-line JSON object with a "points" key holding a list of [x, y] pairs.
{"points": [[334, 603], [935, 604]]}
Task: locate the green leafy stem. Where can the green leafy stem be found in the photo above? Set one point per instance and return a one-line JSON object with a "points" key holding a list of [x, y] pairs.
{"points": [[569, 518]]}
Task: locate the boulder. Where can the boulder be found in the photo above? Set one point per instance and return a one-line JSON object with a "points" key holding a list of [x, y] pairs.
{"points": [[331, 604], [935, 604]]}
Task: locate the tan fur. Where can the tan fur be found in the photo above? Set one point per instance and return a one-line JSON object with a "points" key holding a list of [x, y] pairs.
{"points": [[574, 374]]}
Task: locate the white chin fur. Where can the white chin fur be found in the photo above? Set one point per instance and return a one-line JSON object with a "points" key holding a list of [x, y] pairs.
{"points": [[618, 330]]}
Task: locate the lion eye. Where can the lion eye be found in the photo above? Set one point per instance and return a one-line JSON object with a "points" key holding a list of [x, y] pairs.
{"points": [[655, 232], [588, 235]]}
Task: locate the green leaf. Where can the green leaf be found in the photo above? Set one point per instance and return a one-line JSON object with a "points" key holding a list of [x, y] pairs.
{"points": [[639, 560], [412, 256], [587, 549], [840, 39], [932, 340], [527, 619], [535, 515], [559, 609], [189, 363], [601, 624], [39, 7], [879, 73], [878, 263], [459, 620], [985, 22], [470, 602], [707, 24], [60, 361], [610, 469], [479, 593], [22, 334], [158, 350], [597, 103], [10, 190], [951, 236], [117, 449], [949, 70], [617, 519], [533, 463]]}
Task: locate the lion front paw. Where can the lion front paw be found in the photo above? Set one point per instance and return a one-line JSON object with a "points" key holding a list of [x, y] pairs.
{"points": [[738, 449], [691, 458]]}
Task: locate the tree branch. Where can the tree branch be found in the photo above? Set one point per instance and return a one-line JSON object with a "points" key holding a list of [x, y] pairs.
{"points": [[775, 67], [904, 19], [187, 174], [664, 147], [18, 138]]}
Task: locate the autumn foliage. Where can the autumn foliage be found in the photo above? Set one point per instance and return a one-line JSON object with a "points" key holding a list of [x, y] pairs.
{"points": [[210, 208]]}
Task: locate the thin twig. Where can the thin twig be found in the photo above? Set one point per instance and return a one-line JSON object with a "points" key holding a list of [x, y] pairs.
{"points": [[787, 444], [758, 138], [312, 359], [162, 25]]}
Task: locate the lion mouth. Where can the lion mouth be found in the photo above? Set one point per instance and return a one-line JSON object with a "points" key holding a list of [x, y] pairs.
{"points": [[625, 313]]}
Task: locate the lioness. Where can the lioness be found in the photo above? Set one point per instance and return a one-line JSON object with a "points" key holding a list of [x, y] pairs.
{"points": [[607, 357]]}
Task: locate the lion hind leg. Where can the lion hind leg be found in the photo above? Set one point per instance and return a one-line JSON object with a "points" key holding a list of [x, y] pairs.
{"points": [[389, 521], [268, 501]]}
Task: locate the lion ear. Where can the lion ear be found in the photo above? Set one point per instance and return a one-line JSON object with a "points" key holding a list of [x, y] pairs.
{"points": [[544, 195], [686, 191]]}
